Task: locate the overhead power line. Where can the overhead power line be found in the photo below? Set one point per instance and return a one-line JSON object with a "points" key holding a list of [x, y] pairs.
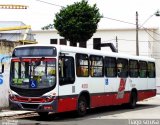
{"points": [[141, 26], [119, 20], [49, 3], [150, 35], [139, 41]]}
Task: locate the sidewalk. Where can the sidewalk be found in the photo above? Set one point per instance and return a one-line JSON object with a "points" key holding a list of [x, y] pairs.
{"points": [[7, 113]]}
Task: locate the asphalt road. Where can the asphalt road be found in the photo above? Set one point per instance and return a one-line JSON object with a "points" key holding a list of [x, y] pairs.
{"points": [[147, 112]]}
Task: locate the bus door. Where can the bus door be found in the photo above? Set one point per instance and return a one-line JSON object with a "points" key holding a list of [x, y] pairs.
{"points": [[67, 98]]}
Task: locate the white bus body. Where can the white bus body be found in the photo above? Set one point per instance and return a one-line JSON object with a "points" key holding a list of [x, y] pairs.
{"points": [[78, 90]]}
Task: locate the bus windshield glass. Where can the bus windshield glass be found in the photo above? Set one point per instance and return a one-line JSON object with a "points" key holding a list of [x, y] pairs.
{"points": [[37, 51], [33, 73]]}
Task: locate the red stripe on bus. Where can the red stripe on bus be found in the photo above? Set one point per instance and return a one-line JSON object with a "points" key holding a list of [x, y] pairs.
{"points": [[107, 99], [67, 104], [146, 94]]}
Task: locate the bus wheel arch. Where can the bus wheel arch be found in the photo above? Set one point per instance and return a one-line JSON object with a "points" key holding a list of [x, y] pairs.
{"points": [[83, 103], [133, 98]]}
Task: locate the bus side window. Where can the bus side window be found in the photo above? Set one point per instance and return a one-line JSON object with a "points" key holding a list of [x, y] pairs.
{"points": [[96, 66], [142, 69], [66, 70], [110, 67], [122, 67], [82, 65], [151, 70], [133, 68], [60, 64]]}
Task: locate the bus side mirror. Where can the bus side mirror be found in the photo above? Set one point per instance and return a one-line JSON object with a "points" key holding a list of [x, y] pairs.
{"points": [[2, 70]]}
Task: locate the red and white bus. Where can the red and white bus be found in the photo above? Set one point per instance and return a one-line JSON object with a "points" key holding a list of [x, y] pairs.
{"points": [[54, 78]]}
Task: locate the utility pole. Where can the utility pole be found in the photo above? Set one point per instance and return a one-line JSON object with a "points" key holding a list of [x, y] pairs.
{"points": [[137, 41], [117, 43]]}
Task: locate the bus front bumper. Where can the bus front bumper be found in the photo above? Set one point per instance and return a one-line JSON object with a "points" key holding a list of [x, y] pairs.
{"points": [[38, 107]]}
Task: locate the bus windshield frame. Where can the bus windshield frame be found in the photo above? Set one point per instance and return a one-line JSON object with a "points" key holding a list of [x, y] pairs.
{"points": [[33, 73]]}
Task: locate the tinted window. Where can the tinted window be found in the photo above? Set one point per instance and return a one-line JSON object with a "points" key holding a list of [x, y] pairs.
{"points": [[122, 67], [142, 69], [133, 68], [82, 65], [66, 70], [96, 66], [110, 67], [151, 70]]}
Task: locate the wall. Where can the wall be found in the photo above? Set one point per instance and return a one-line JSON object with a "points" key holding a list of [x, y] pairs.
{"points": [[6, 48], [126, 39], [4, 87]]}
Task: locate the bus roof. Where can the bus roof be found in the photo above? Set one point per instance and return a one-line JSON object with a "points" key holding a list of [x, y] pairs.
{"points": [[66, 49]]}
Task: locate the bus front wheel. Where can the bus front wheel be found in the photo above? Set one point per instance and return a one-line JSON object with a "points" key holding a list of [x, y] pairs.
{"points": [[82, 106]]}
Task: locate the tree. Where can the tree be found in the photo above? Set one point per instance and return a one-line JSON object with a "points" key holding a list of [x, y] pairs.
{"points": [[77, 22]]}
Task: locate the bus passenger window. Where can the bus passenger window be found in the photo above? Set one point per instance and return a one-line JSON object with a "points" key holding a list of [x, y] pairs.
{"points": [[82, 65], [66, 70], [96, 66], [110, 67], [133, 68], [151, 70], [122, 67], [142, 69]]}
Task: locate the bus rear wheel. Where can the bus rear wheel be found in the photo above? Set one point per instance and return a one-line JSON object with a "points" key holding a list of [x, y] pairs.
{"points": [[82, 106], [133, 100]]}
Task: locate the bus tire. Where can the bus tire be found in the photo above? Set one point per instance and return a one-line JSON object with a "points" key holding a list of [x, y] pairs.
{"points": [[43, 114], [82, 106], [133, 100]]}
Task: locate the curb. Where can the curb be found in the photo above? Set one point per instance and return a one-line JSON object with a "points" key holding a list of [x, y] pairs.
{"points": [[9, 113]]}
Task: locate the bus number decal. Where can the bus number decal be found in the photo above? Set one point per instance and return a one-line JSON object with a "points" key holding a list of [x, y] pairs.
{"points": [[84, 86], [121, 88]]}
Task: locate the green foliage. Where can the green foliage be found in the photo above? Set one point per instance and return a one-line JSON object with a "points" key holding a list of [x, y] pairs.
{"points": [[77, 22], [49, 26]]}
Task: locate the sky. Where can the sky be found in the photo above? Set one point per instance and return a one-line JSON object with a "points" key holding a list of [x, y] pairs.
{"points": [[40, 14]]}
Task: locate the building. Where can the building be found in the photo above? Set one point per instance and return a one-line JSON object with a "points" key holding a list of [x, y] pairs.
{"points": [[123, 38], [13, 33]]}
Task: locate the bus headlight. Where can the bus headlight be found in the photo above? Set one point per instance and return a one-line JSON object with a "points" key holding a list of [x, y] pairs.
{"points": [[12, 95]]}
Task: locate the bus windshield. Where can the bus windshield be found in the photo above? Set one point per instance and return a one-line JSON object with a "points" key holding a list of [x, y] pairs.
{"points": [[33, 73]]}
